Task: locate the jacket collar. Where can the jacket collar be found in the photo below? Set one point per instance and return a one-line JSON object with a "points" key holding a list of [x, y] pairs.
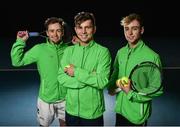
{"points": [[138, 46], [90, 44], [51, 44]]}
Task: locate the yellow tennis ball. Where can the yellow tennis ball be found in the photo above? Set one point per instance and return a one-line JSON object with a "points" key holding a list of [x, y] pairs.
{"points": [[67, 66], [118, 82], [124, 80]]}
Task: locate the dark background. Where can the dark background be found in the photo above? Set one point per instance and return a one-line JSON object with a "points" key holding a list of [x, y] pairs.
{"points": [[19, 88], [161, 22], [161, 19]]}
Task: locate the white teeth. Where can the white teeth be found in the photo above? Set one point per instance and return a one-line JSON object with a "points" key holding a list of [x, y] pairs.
{"points": [[130, 38], [84, 36]]}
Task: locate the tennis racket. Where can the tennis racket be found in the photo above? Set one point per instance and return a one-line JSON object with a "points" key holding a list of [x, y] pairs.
{"points": [[31, 34], [67, 38], [146, 78]]}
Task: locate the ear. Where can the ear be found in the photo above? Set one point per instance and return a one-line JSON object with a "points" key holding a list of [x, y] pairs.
{"points": [[75, 29], [94, 31], [47, 33], [142, 30], [63, 33]]}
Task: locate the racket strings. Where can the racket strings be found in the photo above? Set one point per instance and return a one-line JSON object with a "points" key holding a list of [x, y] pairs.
{"points": [[145, 78]]}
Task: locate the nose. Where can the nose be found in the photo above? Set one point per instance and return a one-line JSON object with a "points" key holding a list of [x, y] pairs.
{"points": [[130, 32], [84, 30], [55, 33]]}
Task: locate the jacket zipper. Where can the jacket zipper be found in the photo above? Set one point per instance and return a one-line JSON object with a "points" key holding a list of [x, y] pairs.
{"points": [[78, 88], [58, 68], [129, 52]]}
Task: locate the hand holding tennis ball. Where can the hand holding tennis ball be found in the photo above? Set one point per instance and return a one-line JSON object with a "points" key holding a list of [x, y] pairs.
{"points": [[124, 81]]}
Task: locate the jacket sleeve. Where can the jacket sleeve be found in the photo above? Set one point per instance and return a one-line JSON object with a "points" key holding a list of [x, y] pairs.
{"points": [[68, 81], [112, 82], [21, 58], [138, 97], [100, 77], [63, 78]]}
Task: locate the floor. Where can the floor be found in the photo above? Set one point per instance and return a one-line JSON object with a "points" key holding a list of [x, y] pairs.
{"points": [[19, 91]]}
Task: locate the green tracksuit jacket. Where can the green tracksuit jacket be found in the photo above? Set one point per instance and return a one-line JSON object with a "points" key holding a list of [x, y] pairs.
{"points": [[135, 107], [47, 56], [85, 97]]}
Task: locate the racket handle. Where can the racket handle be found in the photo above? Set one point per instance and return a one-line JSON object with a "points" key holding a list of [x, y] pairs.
{"points": [[33, 34], [118, 90]]}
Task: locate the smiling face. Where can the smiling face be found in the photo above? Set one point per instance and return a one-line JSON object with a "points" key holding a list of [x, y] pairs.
{"points": [[133, 32], [55, 32], [85, 27], [85, 31], [133, 28]]}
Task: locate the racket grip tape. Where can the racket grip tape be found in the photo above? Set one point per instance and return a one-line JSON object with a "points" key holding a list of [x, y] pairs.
{"points": [[33, 34]]}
